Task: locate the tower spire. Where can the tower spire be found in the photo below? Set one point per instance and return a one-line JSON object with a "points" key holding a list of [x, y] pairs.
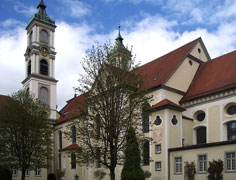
{"points": [[119, 38]]}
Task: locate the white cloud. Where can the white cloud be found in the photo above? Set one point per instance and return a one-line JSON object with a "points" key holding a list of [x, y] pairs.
{"points": [[75, 8], [10, 23], [25, 10], [150, 37]]}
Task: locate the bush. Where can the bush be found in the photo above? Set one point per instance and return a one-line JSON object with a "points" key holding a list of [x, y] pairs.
{"points": [[215, 170], [52, 176]]}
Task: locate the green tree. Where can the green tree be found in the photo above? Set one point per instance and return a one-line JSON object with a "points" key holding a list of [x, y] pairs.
{"points": [[25, 134], [113, 98], [132, 169], [99, 174], [215, 170]]}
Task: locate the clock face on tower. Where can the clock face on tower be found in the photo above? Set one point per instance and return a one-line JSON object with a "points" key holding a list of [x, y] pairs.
{"points": [[44, 51]]}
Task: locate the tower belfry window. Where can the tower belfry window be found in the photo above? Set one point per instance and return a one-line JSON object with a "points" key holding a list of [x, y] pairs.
{"points": [[29, 68], [44, 36], [44, 67]]}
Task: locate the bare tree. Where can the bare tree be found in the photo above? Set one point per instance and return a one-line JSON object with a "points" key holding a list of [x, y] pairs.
{"points": [[25, 135], [113, 98]]}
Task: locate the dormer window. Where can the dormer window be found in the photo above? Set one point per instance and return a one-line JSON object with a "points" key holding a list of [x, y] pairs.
{"points": [[44, 36], [44, 67]]}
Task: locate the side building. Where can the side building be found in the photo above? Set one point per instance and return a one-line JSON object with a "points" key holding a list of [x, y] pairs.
{"points": [[191, 116]]}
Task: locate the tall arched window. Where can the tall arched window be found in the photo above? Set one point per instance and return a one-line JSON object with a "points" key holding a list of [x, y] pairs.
{"points": [[29, 68], [44, 95], [73, 134], [60, 139], [146, 153], [44, 36], [97, 127], [201, 135], [31, 37], [145, 117], [44, 67], [231, 130]]}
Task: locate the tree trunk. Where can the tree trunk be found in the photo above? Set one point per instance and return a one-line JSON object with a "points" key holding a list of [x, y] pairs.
{"points": [[112, 174], [22, 173]]}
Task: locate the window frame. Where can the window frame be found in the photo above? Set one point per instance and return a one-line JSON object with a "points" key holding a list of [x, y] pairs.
{"points": [[14, 172], [157, 146], [199, 163], [146, 157], [28, 173], [225, 162], [158, 168], [178, 164], [38, 172], [229, 136], [44, 67]]}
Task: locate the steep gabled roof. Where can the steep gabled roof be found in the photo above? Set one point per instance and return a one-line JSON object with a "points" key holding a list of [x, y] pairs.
{"points": [[213, 76], [157, 72], [165, 103], [71, 147], [72, 108]]}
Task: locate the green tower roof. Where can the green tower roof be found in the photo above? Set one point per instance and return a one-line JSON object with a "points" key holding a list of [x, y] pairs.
{"points": [[41, 15]]}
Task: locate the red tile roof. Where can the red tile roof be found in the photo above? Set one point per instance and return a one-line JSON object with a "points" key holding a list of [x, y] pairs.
{"points": [[213, 76], [72, 108], [166, 103], [153, 74], [158, 71], [71, 147]]}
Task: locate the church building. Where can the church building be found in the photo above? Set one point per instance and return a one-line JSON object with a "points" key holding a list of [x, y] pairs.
{"points": [[191, 116]]}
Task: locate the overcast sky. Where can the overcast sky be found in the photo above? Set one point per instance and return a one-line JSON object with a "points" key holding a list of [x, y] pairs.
{"points": [[152, 27]]}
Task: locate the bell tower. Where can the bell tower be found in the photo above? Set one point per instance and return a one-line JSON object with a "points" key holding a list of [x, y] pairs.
{"points": [[40, 59]]}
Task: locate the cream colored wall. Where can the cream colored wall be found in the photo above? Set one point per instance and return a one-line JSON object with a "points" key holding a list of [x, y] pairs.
{"points": [[161, 94], [202, 56], [174, 131], [217, 152], [216, 118], [187, 132], [183, 76], [213, 123], [158, 135]]}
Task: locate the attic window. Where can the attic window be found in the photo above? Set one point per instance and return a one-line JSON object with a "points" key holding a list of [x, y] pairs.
{"points": [[199, 50]]}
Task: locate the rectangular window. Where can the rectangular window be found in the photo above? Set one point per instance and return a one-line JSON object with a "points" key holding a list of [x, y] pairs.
{"points": [[230, 161], [98, 154], [202, 163], [14, 172], [59, 161], [27, 172], [178, 165], [158, 148], [37, 172], [60, 140], [158, 166]]}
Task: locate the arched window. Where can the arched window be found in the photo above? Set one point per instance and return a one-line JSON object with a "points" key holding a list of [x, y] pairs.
{"points": [[31, 37], [145, 117], [97, 127], [231, 130], [201, 135], [29, 68], [43, 95], [44, 67], [60, 139], [146, 153], [44, 36], [73, 134]]}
